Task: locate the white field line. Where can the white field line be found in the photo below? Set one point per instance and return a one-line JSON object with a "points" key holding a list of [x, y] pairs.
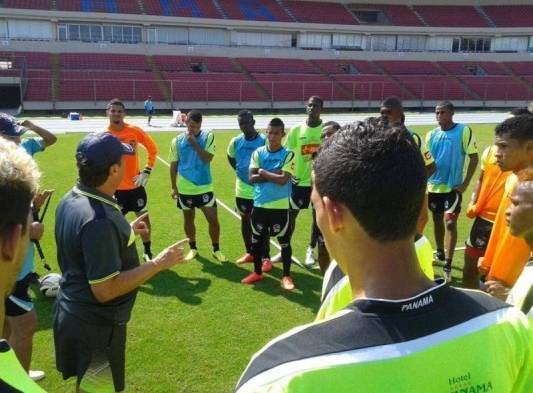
{"points": [[234, 214]]}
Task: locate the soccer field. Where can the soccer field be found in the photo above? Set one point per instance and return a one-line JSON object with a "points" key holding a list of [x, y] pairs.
{"points": [[194, 328]]}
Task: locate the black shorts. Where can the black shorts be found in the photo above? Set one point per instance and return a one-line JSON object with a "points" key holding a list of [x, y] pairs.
{"points": [[244, 206], [132, 200], [188, 202], [20, 301], [275, 221], [448, 203], [300, 197], [77, 343], [150, 112], [479, 234]]}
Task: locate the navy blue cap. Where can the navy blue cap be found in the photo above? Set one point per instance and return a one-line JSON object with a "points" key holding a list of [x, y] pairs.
{"points": [[9, 126], [101, 148]]}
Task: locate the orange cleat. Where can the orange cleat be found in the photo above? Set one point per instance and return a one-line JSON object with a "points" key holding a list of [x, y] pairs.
{"points": [[287, 283], [267, 266], [246, 258], [251, 278]]}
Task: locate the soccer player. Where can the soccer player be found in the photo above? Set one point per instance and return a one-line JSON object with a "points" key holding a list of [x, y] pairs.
{"points": [[19, 182], [317, 240], [400, 325], [149, 109], [131, 193], [239, 153], [506, 255], [190, 157], [21, 317], [484, 203], [271, 169], [101, 273], [304, 140], [392, 109], [519, 216], [449, 145]]}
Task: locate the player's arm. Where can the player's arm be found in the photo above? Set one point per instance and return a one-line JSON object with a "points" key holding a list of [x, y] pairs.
{"points": [[173, 157], [231, 154], [477, 188], [253, 172], [48, 138], [469, 146], [207, 154], [283, 175], [278, 178]]}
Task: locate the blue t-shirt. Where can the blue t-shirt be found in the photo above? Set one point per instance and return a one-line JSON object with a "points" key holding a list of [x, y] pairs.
{"points": [[32, 146], [148, 105]]}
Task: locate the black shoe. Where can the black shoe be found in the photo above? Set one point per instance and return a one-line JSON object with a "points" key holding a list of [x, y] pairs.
{"points": [[447, 268], [441, 256], [147, 256]]}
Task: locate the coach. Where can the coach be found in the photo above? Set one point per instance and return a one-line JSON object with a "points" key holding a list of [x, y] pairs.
{"points": [[100, 265]]}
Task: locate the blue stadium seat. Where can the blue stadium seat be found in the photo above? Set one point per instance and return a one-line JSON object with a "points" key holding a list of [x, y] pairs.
{"points": [[169, 7], [110, 6], [255, 10]]}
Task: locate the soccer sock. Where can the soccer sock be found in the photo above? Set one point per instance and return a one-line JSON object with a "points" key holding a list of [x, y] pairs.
{"points": [[440, 254], [448, 263], [216, 247], [147, 247], [192, 245]]}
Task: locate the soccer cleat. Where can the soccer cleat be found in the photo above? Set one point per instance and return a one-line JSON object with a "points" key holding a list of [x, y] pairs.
{"points": [[36, 375], [251, 278], [447, 268], [193, 252], [147, 256], [287, 283], [309, 257], [246, 258], [219, 256], [267, 266], [276, 258], [439, 254]]}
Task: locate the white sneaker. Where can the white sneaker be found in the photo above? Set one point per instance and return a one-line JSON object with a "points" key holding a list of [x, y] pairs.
{"points": [[276, 258], [309, 257], [36, 375]]}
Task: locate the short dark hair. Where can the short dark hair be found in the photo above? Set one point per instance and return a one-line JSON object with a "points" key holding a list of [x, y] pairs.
{"points": [[245, 113], [94, 176], [277, 122], [520, 111], [375, 169], [117, 102], [446, 104], [392, 102], [318, 99], [518, 127], [333, 124], [195, 115]]}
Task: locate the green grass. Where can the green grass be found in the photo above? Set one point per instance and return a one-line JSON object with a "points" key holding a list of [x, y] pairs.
{"points": [[194, 328]]}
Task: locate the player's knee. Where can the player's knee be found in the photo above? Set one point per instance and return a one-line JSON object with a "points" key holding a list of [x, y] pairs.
{"points": [[451, 224], [473, 254]]}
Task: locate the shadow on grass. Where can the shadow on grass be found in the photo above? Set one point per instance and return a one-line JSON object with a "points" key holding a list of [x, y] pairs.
{"points": [[169, 283], [307, 285]]}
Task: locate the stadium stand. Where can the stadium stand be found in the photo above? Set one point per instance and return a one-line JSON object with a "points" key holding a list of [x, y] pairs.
{"points": [[520, 67], [39, 87], [99, 61], [112, 7], [28, 4], [316, 12], [473, 68], [278, 65], [409, 67], [182, 8], [510, 15], [451, 16], [265, 10], [399, 15]]}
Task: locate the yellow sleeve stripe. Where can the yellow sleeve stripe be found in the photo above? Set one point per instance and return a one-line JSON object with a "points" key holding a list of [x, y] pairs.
{"points": [[101, 280]]}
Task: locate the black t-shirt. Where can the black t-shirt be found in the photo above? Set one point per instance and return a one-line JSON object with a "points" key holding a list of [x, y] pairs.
{"points": [[94, 244]]}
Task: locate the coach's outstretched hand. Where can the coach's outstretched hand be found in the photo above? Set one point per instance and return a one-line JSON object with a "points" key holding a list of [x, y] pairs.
{"points": [[139, 225], [171, 256]]}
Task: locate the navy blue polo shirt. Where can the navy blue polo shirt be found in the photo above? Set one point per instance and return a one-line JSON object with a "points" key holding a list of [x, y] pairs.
{"points": [[94, 244]]}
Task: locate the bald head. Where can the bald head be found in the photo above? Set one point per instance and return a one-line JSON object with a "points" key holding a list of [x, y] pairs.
{"points": [[519, 215]]}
